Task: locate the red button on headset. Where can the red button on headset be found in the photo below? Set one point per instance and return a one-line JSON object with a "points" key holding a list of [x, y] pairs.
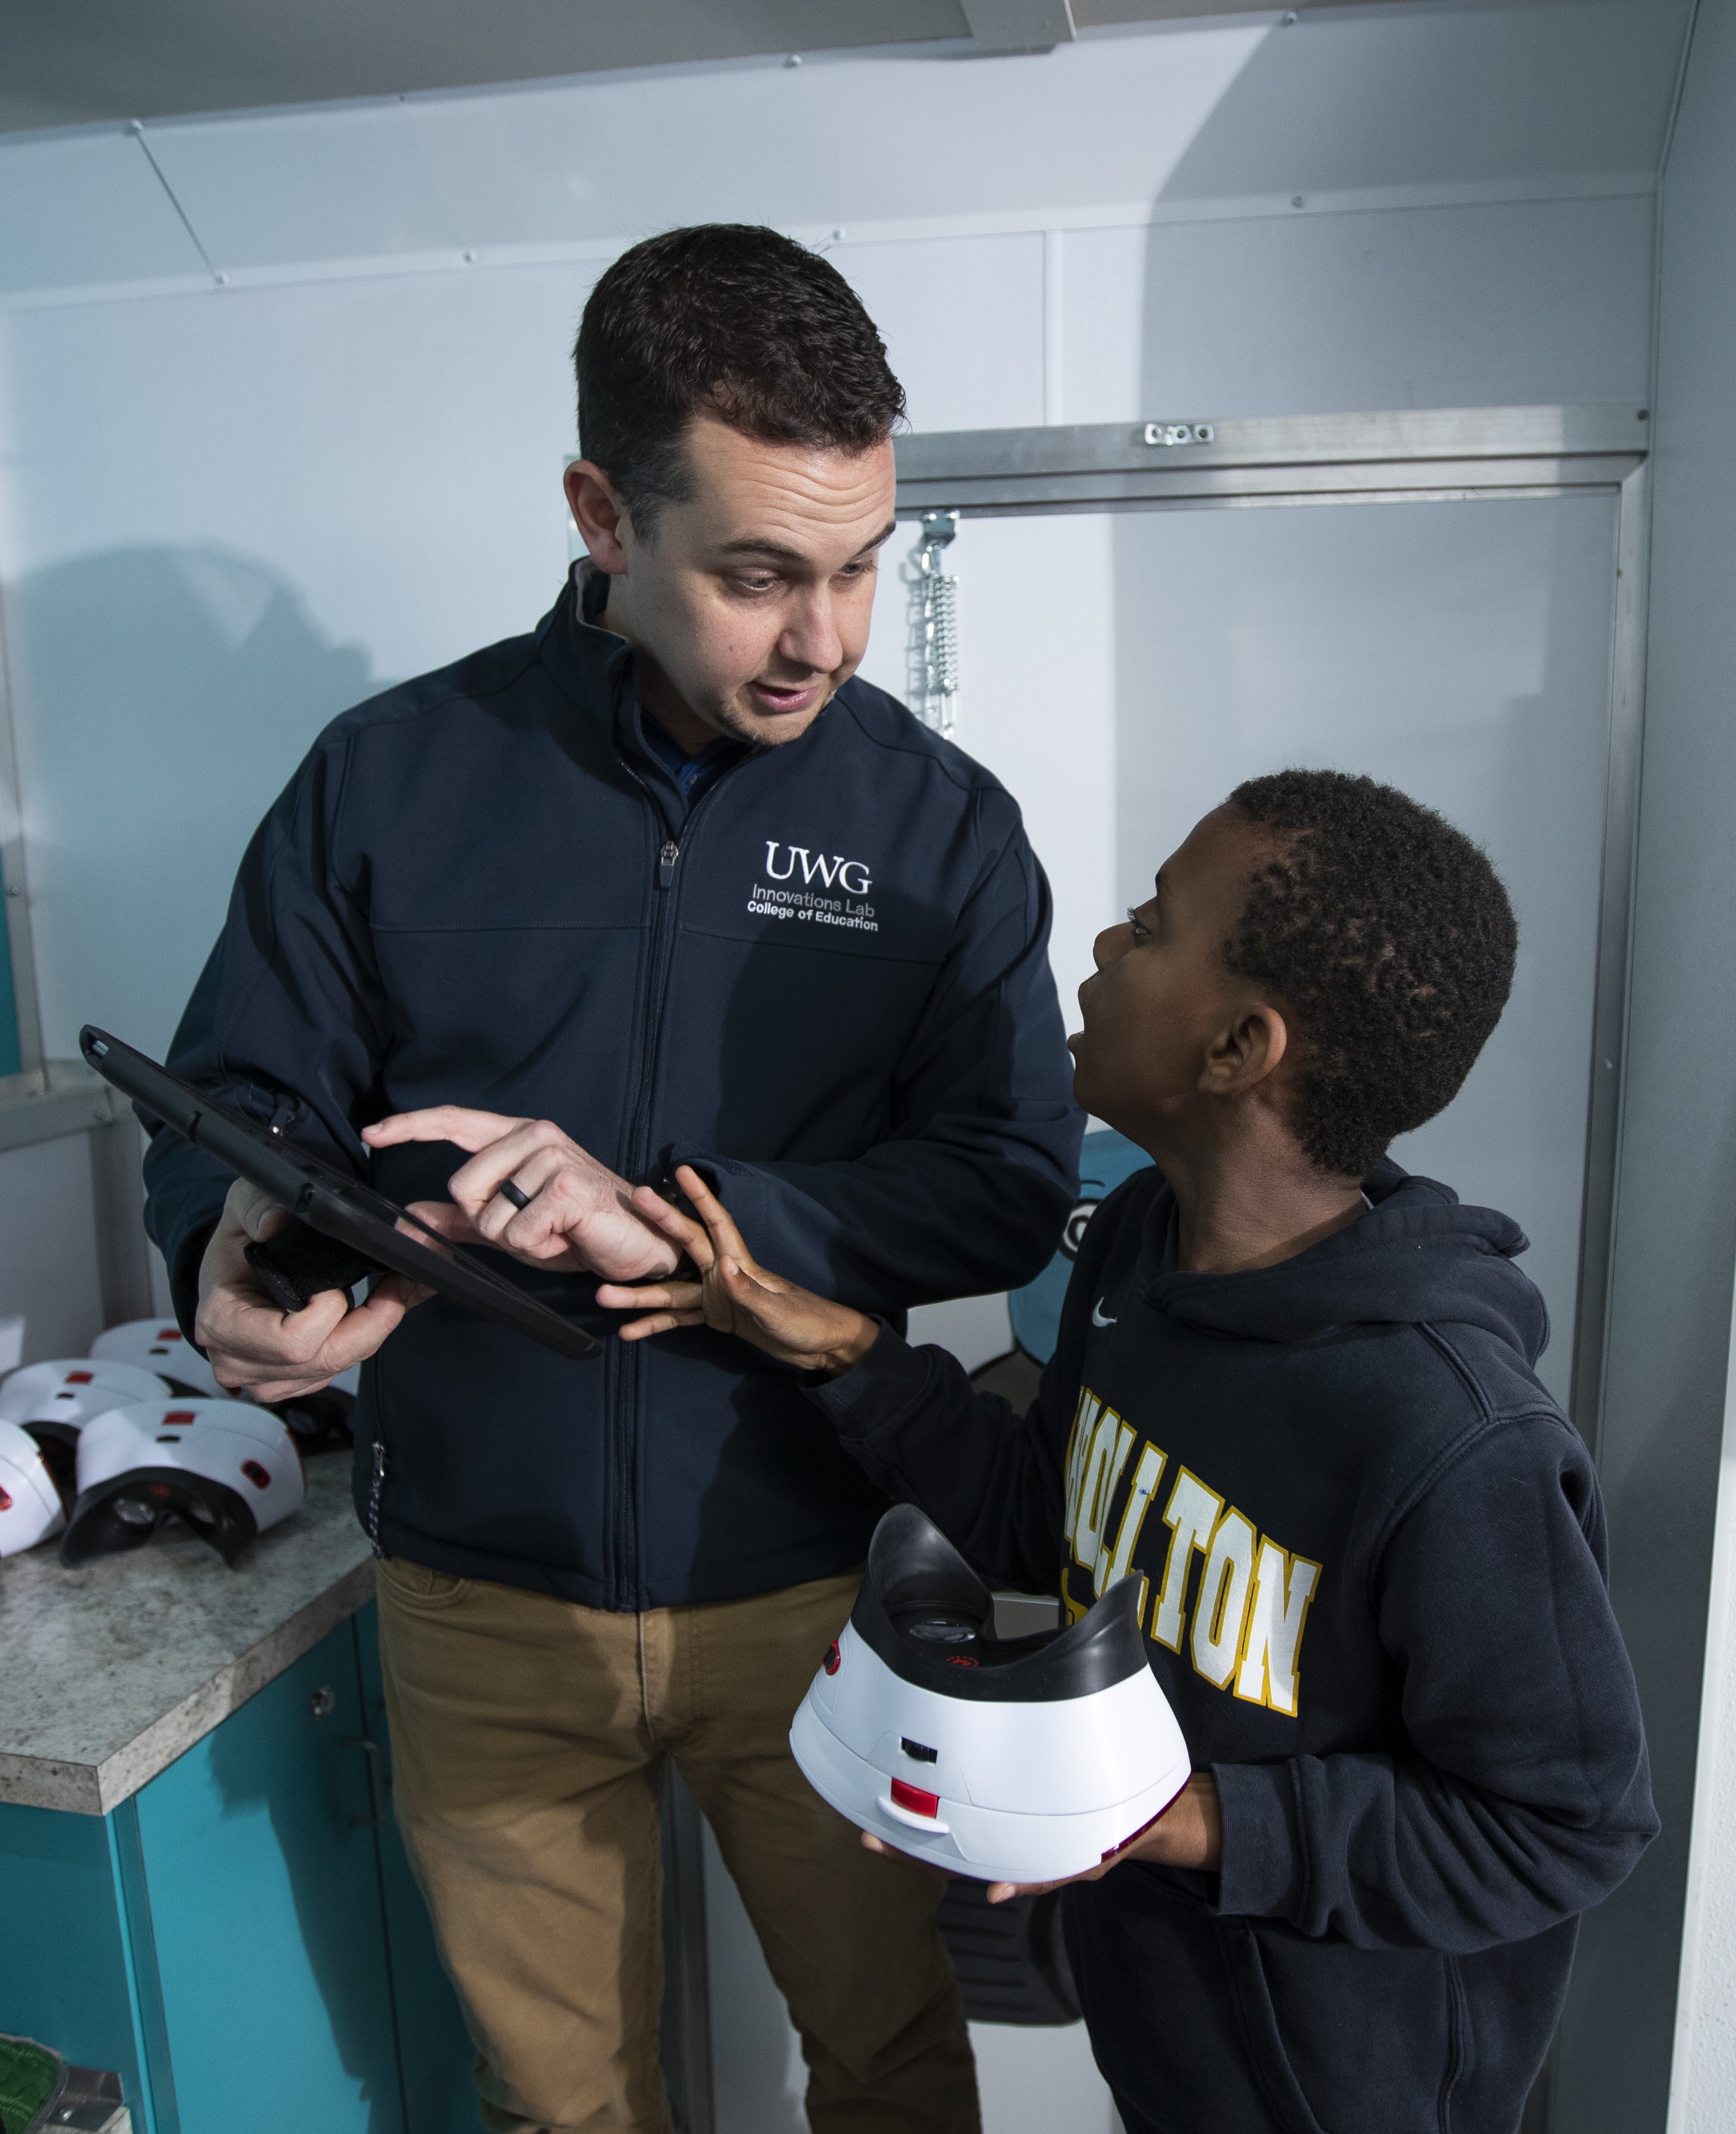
{"points": [[905, 1795], [834, 1658]]}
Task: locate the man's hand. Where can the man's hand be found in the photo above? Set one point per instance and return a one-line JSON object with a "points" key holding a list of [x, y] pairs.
{"points": [[576, 1214], [257, 1348], [734, 1293], [1188, 1833]]}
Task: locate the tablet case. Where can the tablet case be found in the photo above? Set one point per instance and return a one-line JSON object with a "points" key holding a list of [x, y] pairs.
{"points": [[341, 1231]]}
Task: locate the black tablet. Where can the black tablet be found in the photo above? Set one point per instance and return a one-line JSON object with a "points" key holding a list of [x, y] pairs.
{"points": [[367, 1232]]}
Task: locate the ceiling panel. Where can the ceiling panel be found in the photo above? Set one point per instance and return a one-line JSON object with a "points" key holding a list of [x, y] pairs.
{"points": [[71, 61]]}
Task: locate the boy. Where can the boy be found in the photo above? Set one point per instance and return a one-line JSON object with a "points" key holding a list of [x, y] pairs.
{"points": [[1293, 1392]]}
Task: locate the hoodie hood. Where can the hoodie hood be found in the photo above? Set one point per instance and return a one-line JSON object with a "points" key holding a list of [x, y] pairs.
{"points": [[1417, 1255]]}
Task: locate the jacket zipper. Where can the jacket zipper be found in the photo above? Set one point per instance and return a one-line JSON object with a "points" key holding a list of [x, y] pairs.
{"points": [[374, 1496], [625, 1582]]}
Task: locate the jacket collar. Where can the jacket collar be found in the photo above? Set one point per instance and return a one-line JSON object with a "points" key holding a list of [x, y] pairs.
{"points": [[595, 668]]}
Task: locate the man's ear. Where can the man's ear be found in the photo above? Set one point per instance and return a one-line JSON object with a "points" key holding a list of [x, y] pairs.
{"points": [[1245, 1050], [603, 520]]}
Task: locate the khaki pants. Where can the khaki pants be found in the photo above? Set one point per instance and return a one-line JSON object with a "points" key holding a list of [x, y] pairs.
{"points": [[528, 1736]]}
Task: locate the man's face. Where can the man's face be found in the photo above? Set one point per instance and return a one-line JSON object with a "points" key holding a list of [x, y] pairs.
{"points": [[751, 600], [1160, 996]]}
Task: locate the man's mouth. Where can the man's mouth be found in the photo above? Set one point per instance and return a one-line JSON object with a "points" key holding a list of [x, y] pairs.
{"points": [[784, 696]]}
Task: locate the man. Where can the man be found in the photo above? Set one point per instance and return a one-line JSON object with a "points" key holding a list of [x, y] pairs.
{"points": [[658, 884]]}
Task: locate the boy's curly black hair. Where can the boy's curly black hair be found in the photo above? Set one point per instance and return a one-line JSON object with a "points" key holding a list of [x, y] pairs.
{"points": [[1388, 935]]}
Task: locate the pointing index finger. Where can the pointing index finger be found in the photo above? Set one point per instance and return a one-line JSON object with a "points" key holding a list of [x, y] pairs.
{"points": [[726, 1238], [468, 1130]]}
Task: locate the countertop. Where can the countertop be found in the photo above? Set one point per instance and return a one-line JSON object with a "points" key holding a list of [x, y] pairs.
{"points": [[109, 1672]]}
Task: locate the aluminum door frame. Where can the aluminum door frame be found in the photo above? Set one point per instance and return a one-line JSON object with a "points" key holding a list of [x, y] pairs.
{"points": [[1443, 455]]}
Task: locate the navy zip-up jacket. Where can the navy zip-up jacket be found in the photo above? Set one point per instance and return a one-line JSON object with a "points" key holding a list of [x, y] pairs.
{"points": [[1373, 1550], [828, 983]]}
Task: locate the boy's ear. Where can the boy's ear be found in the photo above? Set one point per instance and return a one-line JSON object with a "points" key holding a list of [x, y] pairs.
{"points": [[1245, 1051]]}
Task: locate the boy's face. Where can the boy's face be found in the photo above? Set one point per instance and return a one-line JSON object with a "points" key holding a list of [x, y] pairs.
{"points": [[1161, 1008]]}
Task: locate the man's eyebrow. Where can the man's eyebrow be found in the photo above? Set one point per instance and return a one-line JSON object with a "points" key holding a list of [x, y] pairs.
{"points": [[755, 545]]}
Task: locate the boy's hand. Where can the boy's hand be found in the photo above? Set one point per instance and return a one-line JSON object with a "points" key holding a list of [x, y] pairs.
{"points": [[1188, 1833], [733, 1293]]}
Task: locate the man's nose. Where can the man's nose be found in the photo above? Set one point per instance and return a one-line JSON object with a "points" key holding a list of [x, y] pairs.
{"points": [[811, 637], [1102, 949]]}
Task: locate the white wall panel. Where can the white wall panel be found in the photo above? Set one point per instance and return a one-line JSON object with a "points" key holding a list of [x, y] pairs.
{"points": [[1503, 305], [1122, 673], [599, 160], [1346, 99], [1176, 117], [1037, 707], [48, 1264], [226, 519], [1461, 652], [87, 207], [962, 320], [1667, 1448]]}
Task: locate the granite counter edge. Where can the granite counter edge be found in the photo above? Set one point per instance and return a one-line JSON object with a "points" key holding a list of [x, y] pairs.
{"points": [[81, 1789]]}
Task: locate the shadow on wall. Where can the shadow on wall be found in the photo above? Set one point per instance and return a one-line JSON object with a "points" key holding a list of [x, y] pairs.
{"points": [[163, 697]]}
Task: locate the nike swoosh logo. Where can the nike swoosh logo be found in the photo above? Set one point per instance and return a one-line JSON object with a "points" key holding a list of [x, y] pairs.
{"points": [[1096, 1315]]}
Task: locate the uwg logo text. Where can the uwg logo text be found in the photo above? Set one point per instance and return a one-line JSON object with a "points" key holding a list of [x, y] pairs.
{"points": [[1252, 1602], [851, 876]]}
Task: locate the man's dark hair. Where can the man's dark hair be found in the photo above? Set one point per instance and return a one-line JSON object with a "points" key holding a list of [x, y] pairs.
{"points": [[1388, 935], [731, 321]]}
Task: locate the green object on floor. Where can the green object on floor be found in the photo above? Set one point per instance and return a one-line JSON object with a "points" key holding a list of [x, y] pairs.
{"points": [[30, 2078]]}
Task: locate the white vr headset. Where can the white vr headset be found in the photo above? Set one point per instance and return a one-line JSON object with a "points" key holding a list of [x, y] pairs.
{"points": [[54, 1401], [319, 1420], [1027, 1759], [230, 1470], [30, 1503], [159, 1345]]}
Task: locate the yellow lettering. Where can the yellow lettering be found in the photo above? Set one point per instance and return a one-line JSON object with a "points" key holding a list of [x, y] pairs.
{"points": [[1078, 1447], [1109, 1450]]}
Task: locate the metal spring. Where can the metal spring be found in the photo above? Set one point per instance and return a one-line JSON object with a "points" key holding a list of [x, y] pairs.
{"points": [[934, 625]]}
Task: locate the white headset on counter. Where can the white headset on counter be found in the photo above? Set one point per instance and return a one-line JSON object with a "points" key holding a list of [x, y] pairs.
{"points": [[100, 1449]]}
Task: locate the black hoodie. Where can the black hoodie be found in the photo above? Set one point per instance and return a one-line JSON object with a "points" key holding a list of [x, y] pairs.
{"points": [[1374, 1554]]}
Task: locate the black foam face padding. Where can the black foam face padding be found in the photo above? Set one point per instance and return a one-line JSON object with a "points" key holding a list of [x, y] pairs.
{"points": [[59, 1450], [298, 1264], [931, 1619], [318, 1422], [214, 1511]]}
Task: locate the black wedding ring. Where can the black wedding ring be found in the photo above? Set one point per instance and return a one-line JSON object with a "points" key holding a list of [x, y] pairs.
{"points": [[509, 1191]]}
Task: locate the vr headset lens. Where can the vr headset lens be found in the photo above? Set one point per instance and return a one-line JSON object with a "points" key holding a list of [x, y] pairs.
{"points": [[135, 1505]]}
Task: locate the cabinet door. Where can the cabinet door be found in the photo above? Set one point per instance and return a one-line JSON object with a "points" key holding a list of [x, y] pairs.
{"points": [[440, 2097], [265, 1890]]}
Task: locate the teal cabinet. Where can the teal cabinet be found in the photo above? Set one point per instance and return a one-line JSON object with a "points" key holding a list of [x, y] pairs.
{"points": [[243, 1940]]}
